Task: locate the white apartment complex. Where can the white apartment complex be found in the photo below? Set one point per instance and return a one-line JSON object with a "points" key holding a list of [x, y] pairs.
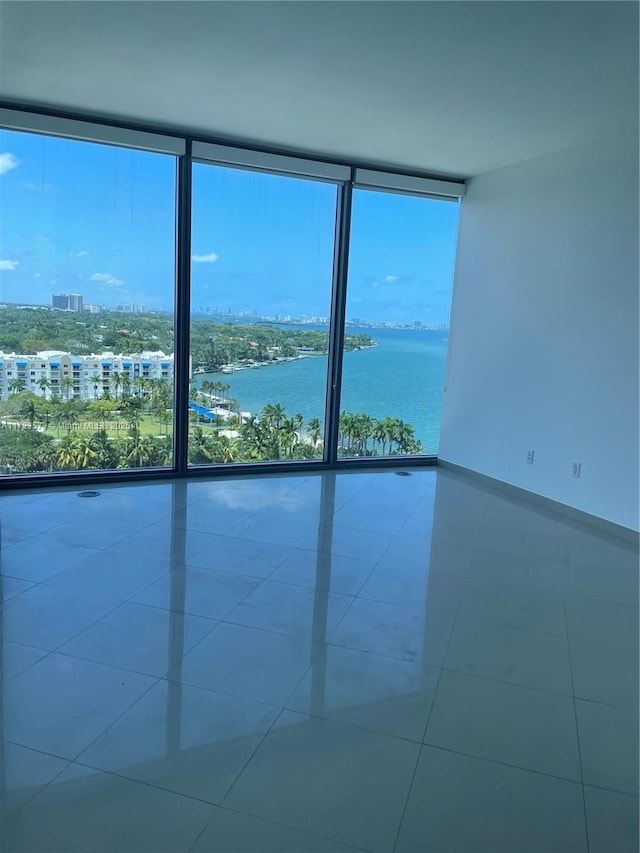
{"points": [[55, 374]]}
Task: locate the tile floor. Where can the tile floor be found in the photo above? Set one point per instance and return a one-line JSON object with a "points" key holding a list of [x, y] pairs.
{"points": [[351, 662]]}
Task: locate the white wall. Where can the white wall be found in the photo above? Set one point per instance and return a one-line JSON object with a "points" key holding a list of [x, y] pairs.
{"points": [[543, 352]]}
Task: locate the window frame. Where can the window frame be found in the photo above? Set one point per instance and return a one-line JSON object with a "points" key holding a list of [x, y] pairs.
{"points": [[189, 149]]}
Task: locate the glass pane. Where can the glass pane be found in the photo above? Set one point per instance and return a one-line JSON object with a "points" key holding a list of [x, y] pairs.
{"points": [[399, 293], [261, 275], [87, 271]]}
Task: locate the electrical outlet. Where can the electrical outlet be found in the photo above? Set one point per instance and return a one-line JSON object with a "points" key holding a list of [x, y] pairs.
{"points": [[529, 457], [575, 469]]}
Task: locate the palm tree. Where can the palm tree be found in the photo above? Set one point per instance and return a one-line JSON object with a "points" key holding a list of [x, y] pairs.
{"points": [[298, 420], [404, 437], [44, 414], [104, 449], [139, 384], [95, 380], [44, 383], [17, 385], [59, 417], [258, 437], [67, 385], [363, 430], [84, 452], [126, 384], [201, 449], [207, 388], [380, 435], [287, 437], [70, 416], [273, 414], [347, 427], [140, 448], [132, 412], [66, 456], [314, 430], [228, 449], [116, 381], [29, 409], [390, 429]]}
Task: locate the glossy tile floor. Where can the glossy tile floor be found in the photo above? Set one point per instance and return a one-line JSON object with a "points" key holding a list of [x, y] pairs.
{"points": [[361, 661]]}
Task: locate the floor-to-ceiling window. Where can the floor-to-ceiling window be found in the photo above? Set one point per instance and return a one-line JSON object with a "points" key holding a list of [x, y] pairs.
{"points": [[298, 308], [401, 259], [262, 255], [87, 282]]}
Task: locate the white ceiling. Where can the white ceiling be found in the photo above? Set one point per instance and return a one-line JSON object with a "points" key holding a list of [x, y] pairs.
{"points": [[454, 88]]}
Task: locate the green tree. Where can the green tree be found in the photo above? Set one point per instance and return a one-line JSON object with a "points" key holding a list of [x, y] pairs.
{"points": [[105, 449], [67, 386], [44, 384], [314, 431], [29, 409], [17, 385], [95, 379], [66, 455], [379, 435], [202, 449], [25, 451], [116, 381], [84, 452], [70, 415], [139, 385]]}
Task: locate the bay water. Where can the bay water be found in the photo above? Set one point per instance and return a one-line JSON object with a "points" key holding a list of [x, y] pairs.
{"points": [[402, 377]]}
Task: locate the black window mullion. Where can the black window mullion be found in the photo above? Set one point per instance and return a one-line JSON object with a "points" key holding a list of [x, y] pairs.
{"points": [[181, 377], [337, 322]]}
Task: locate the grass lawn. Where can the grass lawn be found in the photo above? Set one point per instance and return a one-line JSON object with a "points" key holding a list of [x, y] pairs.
{"points": [[148, 426]]}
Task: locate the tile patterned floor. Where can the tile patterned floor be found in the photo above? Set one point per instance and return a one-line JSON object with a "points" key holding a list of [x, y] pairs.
{"points": [[314, 664]]}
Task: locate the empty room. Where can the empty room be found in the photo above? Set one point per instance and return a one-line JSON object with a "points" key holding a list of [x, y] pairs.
{"points": [[319, 426]]}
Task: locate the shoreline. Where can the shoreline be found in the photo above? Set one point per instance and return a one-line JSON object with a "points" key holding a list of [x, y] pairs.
{"points": [[219, 406], [231, 368]]}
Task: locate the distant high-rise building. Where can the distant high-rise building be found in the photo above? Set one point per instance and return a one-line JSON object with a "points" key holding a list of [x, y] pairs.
{"points": [[76, 302], [60, 300], [68, 301]]}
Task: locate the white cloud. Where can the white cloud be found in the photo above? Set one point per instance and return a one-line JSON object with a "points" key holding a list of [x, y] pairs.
{"points": [[80, 254], [211, 258], [390, 278], [37, 274], [8, 162], [107, 278], [8, 265]]}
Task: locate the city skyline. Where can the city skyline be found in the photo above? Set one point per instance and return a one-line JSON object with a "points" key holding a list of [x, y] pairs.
{"points": [[228, 314], [98, 220]]}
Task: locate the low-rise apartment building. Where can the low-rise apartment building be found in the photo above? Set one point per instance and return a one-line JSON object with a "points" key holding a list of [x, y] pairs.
{"points": [[55, 374]]}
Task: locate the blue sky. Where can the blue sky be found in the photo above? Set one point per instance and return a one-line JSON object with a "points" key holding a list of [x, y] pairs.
{"points": [[98, 220]]}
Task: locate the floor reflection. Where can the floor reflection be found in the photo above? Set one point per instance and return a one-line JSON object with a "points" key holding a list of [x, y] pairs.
{"points": [[320, 655]]}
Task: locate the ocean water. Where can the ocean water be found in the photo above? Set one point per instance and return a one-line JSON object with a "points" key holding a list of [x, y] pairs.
{"points": [[403, 377]]}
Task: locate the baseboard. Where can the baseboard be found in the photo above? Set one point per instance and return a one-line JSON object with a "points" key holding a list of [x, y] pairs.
{"points": [[547, 505]]}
